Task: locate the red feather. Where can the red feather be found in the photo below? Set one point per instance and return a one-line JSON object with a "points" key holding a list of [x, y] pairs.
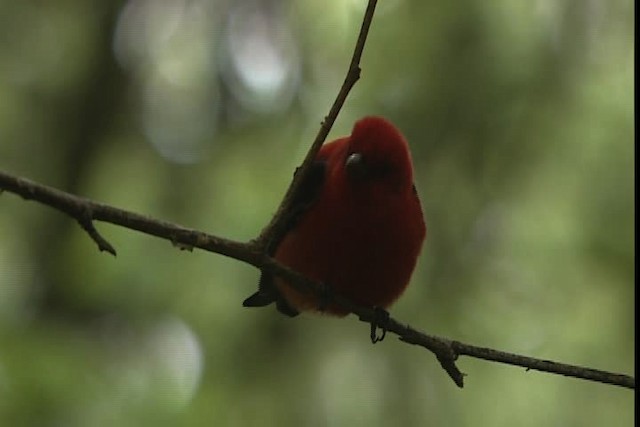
{"points": [[363, 233]]}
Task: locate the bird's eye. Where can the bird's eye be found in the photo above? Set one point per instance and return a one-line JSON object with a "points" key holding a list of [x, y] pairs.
{"points": [[356, 166], [353, 159]]}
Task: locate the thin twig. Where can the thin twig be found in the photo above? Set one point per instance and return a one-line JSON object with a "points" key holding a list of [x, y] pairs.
{"points": [[274, 231], [543, 365], [84, 210]]}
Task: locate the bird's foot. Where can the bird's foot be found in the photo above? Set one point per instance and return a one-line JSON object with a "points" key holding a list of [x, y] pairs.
{"points": [[380, 320]]}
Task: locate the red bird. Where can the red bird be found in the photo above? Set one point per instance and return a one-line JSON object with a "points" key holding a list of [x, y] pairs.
{"points": [[358, 226]]}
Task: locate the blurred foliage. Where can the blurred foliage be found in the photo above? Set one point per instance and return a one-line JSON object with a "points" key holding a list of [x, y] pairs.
{"points": [[520, 118]]}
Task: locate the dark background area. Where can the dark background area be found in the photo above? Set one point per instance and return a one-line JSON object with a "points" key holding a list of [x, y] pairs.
{"points": [[520, 119]]}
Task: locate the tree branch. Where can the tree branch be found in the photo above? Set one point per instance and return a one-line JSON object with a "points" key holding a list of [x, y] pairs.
{"points": [[446, 351], [274, 231], [255, 252]]}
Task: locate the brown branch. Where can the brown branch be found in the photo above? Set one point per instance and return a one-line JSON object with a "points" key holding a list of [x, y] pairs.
{"points": [[446, 351], [274, 231], [255, 253], [86, 211], [543, 365]]}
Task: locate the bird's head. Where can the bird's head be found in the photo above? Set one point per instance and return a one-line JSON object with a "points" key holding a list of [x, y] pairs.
{"points": [[378, 154]]}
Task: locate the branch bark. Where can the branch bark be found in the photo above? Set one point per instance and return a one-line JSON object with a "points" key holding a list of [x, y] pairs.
{"points": [[274, 231], [255, 252], [447, 351]]}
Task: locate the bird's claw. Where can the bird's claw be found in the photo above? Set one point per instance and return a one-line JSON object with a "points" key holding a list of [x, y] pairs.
{"points": [[380, 320]]}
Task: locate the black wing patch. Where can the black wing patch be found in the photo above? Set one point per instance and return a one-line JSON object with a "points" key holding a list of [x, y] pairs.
{"points": [[268, 293], [308, 193]]}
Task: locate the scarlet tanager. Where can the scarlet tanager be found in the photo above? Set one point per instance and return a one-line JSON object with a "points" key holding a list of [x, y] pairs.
{"points": [[358, 225]]}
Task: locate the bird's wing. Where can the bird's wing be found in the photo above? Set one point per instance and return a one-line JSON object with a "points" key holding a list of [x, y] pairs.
{"points": [[305, 197]]}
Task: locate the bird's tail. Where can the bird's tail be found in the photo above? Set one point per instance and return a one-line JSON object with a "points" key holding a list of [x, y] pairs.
{"points": [[259, 299], [266, 294]]}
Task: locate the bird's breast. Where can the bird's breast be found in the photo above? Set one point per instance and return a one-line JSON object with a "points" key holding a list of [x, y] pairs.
{"points": [[364, 251]]}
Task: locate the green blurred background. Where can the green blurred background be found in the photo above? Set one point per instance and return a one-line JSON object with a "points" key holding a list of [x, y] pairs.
{"points": [[520, 118]]}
